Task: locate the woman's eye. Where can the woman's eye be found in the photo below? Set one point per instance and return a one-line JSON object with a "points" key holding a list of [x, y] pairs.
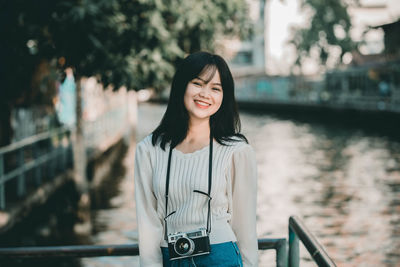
{"points": [[196, 83], [216, 89]]}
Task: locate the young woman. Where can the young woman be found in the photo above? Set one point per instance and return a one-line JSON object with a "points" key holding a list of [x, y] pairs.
{"points": [[195, 175]]}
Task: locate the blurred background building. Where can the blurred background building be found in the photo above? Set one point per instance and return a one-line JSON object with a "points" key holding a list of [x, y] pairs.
{"points": [[268, 50], [248, 57]]}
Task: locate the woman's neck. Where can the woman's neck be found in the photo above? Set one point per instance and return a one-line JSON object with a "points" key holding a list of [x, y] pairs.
{"points": [[198, 130], [198, 136]]}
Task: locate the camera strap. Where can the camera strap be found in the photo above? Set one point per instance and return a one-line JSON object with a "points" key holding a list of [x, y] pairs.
{"points": [[196, 191]]}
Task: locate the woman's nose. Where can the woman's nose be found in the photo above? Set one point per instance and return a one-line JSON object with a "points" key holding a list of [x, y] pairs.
{"points": [[204, 92]]}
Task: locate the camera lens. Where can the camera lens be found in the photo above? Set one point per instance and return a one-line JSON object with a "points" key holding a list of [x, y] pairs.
{"points": [[184, 246]]}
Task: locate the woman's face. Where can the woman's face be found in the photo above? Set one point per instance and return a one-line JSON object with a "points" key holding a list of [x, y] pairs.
{"points": [[203, 99]]}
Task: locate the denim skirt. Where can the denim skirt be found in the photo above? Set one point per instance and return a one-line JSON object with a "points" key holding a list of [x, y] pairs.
{"points": [[224, 255]]}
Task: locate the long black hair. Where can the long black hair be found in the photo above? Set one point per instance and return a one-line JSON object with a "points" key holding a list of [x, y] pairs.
{"points": [[224, 124]]}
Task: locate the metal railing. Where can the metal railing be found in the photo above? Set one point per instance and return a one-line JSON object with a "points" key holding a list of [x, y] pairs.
{"points": [[358, 88], [299, 232], [33, 159], [285, 255], [280, 245], [47, 154]]}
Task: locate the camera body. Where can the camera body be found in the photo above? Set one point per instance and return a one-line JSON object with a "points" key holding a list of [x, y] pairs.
{"points": [[188, 244]]}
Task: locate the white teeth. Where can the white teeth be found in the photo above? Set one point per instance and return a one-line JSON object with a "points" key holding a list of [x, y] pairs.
{"points": [[202, 103]]}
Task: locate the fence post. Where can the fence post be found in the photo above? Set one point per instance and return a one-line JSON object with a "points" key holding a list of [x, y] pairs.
{"points": [[294, 253], [21, 176], [60, 167], [2, 185], [52, 157], [281, 253], [36, 155], [64, 152], [70, 153]]}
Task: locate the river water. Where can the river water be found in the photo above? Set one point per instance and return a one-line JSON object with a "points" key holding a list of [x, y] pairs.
{"points": [[343, 182]]}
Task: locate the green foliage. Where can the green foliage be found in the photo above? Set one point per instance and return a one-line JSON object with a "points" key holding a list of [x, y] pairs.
{"points": [[135, 43], [197, 24], [124, 42], [329, 27], [22, 30]]}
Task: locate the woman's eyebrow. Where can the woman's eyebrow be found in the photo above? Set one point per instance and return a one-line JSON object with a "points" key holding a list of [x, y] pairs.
{"points": [[204, 81]]}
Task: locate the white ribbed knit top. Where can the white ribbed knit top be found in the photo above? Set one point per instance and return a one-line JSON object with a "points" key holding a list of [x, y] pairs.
{"points": [[233, 204]]}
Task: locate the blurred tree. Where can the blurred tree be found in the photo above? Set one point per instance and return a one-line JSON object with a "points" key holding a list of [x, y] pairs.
{"points": [[26, 76], [197, 24], [122, 42], [328, 33]]}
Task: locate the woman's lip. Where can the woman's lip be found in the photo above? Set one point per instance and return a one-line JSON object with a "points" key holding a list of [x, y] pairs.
{"points": [[197, 102]]}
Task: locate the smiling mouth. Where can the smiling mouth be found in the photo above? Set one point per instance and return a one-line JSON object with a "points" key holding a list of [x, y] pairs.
{"points": [[201, 104]]}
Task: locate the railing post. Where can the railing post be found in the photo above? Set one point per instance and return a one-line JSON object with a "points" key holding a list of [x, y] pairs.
{"points": [[70, 153], [281, 253], [52, 158], [60, 166], [64, 152], [2, 185], [294, 253], [36, 155], [317, 252], [21, 176]]}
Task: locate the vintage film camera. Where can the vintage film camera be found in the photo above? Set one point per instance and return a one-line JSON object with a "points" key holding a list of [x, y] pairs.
{"points": [[188, 244]]}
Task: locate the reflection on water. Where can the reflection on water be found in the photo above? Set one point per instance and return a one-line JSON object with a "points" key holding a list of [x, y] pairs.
{"points": [[344, 183], [114, 222]]}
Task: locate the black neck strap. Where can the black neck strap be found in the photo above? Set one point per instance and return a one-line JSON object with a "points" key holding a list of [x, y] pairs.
{"points": [[196, 191]]}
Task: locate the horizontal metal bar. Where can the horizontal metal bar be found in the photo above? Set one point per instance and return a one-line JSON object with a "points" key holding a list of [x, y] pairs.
{"points": [[315, 249], [95, 251], [27, 166], [34, 139], [31, 164], [12, 174], [70, 251], [270, 243]]}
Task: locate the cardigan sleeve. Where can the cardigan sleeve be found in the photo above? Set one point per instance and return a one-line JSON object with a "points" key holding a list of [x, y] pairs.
{"points": [[149, 225], [244, 201]]}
